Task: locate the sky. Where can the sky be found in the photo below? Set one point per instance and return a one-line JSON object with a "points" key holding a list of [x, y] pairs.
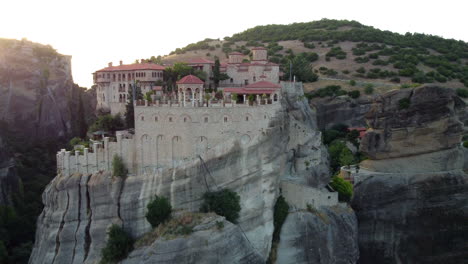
{"points": [[96, 32]]}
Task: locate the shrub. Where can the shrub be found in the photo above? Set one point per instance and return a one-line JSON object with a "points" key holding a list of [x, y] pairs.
{"points": [[344, 188], [159, 210], [465, 144], [462, 92], [281, 211], [395, 80], [224, 202], [369, 89], [403, 103], [354, 94], [352, 82], [118, 245], [118, 167], [345, 72], [361, 70]]}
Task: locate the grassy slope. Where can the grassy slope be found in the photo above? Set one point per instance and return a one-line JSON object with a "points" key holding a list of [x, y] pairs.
{"points": [[323, 46]]}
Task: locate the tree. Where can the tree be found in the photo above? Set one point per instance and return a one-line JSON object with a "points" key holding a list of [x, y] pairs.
{"points": [[159, 210], [281, 211], [225, 203], [300, 68], [129, 108], [118, 245], [344, 188], [346, 157], [216, 73]]}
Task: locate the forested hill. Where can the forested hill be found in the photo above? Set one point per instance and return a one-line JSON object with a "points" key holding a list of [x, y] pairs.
{"points": [[348, 50]]}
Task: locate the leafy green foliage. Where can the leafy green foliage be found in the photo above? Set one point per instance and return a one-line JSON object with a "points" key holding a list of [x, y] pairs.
{"points": [[159, 210], [344, 188], [225, 203], [301, 67], [346, 157], [462, 92], [118, 245], [336, 52], [404, 103], [354, 94], [352, 83], [118, 167], [465, 143], [280, 213], [107, 123], [201, 45], [369, 89], [330, 90]]}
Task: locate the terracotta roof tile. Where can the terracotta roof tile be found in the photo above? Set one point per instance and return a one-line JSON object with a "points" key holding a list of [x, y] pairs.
{"points": [[190, 79], [133, 67]]}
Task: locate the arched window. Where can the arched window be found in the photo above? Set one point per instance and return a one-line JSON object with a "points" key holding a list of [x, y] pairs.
{"points": [[170, 119], [225, 119], [206, 119], [185, 119], [246, 118], [155, 119], [142, 118]]}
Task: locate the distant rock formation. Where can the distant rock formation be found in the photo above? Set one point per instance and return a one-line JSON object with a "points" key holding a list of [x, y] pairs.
{"points": [[412, 205], [39, 99]]}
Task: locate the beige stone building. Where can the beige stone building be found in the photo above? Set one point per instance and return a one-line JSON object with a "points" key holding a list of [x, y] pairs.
{"points": [[113, 83]]}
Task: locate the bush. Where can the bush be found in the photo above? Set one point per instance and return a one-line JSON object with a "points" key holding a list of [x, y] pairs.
{"points": [[159, 210], [352, 82], [118, 167], [118, 245], [465, 144], [361, 70], [344, 188], [225, 203], [462, 92], [354, 94], [403, 103], [369, 89], [281, 211]]}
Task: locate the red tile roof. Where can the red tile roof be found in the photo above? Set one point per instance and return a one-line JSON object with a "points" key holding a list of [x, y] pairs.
{"points": [[263, 84], [199, 61], [133, 67], [247, 91], [190, 79]]}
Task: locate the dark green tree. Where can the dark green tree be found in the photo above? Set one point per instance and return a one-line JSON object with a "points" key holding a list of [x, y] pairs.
{"points": [[159, 210], [118, 245], [225, 203], [129, 108], [344, 188]]}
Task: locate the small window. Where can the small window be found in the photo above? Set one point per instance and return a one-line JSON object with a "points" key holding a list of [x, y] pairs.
{"points": [[185, 119], [225, 119], [264, 117], [246, 118], [155, 119], [142, 118], [206, 119], [170, 119]]}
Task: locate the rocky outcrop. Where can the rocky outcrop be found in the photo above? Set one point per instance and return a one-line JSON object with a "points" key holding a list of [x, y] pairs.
{"points": [[39, 99], [413, 204], [215, 240], [340, 110], [79, 209], [413, 121], [325, 235]]}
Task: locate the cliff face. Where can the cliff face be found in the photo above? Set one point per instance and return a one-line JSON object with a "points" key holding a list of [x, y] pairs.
{"points": [[326, 235], [10, 183], [340, 110], [39, 99], [413, 204], [79, 209]]}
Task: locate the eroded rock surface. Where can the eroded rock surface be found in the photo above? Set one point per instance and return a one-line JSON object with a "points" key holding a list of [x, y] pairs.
{"points": [[413, 204], [327, 235]]}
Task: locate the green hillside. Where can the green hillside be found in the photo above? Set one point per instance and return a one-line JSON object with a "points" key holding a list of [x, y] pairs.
{"points": [[347, 50]]}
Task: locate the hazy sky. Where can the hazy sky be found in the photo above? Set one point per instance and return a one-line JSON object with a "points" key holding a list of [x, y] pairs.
{"points": [[99, 31]]}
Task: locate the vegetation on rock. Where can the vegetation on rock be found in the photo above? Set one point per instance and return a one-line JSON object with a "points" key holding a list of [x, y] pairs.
{"points": [[107, 123], [224, 202], [344, 188], [118, 167], [159, 211], [118, 245]]}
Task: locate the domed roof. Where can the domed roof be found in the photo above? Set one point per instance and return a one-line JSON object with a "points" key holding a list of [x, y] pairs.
{"points": [[190, 79]]}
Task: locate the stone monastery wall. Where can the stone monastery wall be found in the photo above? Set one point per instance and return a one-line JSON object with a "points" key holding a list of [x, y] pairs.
{"points": [[167, 136]]}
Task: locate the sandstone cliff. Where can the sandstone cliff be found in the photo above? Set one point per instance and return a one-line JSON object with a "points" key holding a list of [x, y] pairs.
{"points": [[39, 99], [412, 205], [79, 209]]}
